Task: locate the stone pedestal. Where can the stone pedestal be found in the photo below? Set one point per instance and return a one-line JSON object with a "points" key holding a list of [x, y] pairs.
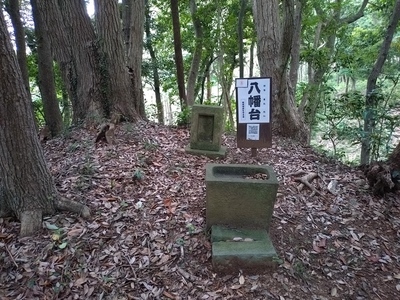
{"points": [[240, 202], [240, 196], [206, 130], [248, 250]]}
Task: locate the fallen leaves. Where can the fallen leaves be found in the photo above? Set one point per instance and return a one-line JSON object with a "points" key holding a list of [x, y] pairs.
{"points": [[146, 239]]}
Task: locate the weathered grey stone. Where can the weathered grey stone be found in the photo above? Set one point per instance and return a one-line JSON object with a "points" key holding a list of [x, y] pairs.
{"points": [[211, 154], [236, 200], [207, 127], [235, 250]]}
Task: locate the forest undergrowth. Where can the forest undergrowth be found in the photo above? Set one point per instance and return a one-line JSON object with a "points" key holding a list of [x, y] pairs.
{"points": [[146, 237]]}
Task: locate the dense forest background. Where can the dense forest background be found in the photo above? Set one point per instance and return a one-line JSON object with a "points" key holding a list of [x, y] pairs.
{"points": [[193, 51]]}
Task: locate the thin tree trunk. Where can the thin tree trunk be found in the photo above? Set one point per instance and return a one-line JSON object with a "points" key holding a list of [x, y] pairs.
{"points": [[198, 49], [251, 62], [51, 108], [176, 25], [295, 53], [13, 9], [242, 11], [371, 99], [154, 66], [311, 99], [66, 112]]}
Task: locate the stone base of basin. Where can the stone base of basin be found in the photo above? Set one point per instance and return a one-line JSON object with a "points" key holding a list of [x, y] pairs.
{"points": [[236, 198], [211, 154], [247, 250]]}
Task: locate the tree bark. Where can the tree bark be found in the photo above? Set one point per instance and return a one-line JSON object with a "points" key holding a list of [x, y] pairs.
{"points": [[154, 66], [46, 83], [13, 9], [242, 12], [133, 30], [75, 48], [198, 49], [295, 53], [371, 99], [180, 73], [274, 49], [394, 159], [118, 85], [27, 188]]}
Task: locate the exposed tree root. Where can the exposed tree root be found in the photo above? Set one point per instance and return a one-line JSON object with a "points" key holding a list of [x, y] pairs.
{"points": [[31, 220], [379, 178], [72, 206], [306, 180], [107, 131]]}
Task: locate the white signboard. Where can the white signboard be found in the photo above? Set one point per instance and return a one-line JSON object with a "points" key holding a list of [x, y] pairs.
{"points": [[253, 96]]}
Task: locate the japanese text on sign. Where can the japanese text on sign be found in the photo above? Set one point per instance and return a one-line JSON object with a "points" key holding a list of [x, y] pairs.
{"points": [[253, 96]]}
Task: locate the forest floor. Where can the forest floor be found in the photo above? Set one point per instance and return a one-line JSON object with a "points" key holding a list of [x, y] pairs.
{"points": [[146, 237]]}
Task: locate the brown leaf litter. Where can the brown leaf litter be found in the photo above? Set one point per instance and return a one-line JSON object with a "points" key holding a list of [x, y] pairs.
{"points": [[146, 237]]}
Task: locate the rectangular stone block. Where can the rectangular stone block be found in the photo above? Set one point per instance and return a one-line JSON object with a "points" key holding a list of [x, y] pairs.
{"points": [[240, 196], [235, 250], [207, 127]]}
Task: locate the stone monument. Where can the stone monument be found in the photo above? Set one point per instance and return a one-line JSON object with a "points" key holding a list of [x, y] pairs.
{"points": [[206, 131]]}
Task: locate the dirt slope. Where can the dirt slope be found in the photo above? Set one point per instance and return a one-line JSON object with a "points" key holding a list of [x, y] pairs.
{"points": [[145, 239]]}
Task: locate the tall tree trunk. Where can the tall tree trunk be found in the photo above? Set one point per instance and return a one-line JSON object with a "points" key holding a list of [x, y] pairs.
{"points": [[27, 188], [13, 9], [74, 47], [242, 12], [66, 112], [118, 88], [226, 79], [51, 108], [371, 99], [295, 53], [251, 62], [126, 23], [180, 73], [133, 30], [274, 48], [154, 66], [206, 80], [198, 49]]}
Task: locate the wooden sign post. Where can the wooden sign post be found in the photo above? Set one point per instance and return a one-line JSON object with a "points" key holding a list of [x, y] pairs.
{"points": [[253, 113]]}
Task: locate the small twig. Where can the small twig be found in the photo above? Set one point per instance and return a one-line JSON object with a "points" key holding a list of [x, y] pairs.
{"points": [[132, 268], [182, 253], [376, 294], [283, 219], [11, 256]]}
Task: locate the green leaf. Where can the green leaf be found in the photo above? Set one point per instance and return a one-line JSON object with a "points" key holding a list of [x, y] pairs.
{"points": [[51, 226], [63, 245]]}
